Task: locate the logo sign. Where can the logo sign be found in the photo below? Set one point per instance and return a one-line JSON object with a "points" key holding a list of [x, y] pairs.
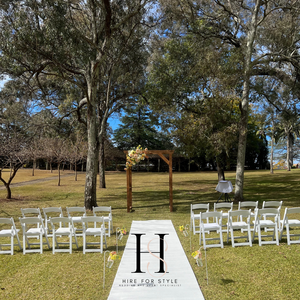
{"points": [[162, 268]]}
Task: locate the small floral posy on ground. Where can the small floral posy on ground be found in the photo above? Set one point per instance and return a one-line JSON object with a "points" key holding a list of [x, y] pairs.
{"points": [[113, 256], [135, 156], [197, 255]]}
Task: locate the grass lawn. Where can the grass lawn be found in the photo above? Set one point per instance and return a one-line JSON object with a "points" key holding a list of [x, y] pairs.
{"points": [[267, 272]]}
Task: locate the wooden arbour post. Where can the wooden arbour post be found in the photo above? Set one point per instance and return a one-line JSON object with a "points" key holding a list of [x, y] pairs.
{"points": [[160, 153]]}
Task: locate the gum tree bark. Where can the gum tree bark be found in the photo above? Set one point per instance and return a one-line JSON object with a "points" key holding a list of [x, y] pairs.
{"points": [[238, 196]]}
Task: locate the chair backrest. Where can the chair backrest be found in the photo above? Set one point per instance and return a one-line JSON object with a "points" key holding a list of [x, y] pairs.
{"points": [[276, 204], [9, 221], [241, 212], [211, 214], [289, 211], [56, 210], [60, 220], [102, 208], [31, 220], [199, 207], [227, 205], [248, 204], [93, 219], [30, 211], [71, 210], [292, 210], [270, 212]]}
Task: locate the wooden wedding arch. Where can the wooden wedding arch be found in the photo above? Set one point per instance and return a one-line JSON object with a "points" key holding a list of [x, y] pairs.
{"points": [[161, 154]]}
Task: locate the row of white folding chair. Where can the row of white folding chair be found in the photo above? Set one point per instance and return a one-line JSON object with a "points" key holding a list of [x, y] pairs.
{"points": [[259, 223], [33, 227], [229, 206], [73, 212], [216, 225], [196, 216]]}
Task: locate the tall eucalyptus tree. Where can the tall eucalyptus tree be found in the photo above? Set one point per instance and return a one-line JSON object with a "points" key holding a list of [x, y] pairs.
{"points": [[73, 41], [264, 32]]}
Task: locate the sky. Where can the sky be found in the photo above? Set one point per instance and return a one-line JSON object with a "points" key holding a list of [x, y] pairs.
{"points": [[113, 121]]}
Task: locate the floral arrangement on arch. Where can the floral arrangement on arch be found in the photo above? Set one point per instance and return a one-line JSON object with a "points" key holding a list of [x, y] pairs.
{"points": [[135, 156]]}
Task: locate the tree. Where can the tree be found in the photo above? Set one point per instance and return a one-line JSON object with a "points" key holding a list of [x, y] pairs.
{"points": [[139, 127], [246, 27], [289, 128], [14, 139], [73, 41]]}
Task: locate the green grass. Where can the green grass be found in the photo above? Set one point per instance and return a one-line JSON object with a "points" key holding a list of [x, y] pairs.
{"points": [[267, 272]]}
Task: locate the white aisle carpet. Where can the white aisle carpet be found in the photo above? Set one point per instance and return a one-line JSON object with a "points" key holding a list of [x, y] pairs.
{"points": [[163, 274]]}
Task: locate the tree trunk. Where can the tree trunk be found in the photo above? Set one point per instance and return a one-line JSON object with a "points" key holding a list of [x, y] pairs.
{"points": [[58, 166], [158, 165], [290, 141], [239, 183], [8, 191], [272, 149], [33, 166], [221, 174], [93, 151], [75, 166], [288, 153], [102, 183]]}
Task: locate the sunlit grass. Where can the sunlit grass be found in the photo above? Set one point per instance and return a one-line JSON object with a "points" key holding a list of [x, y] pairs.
{"points": [[267, 272]]}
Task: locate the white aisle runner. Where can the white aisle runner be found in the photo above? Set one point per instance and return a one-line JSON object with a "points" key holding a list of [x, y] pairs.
{"points": [[163, 274]]}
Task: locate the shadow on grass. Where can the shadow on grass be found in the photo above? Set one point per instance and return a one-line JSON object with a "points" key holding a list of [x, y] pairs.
{"points": [[227, 281]]}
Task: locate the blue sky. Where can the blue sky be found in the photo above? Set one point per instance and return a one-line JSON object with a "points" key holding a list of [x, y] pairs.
{"points": [[113, 121]]}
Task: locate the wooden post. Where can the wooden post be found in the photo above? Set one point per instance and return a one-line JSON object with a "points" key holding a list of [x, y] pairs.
{"points": [[129, 189], [170, 183]]}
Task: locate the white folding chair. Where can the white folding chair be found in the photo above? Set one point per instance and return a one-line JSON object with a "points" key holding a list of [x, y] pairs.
{"points": [[273, 204], [287, 223], [59, 231], [239, 225], [263, 219], [211, 226], [31, 212], [76, 213], [97, 231], [226, 205], [51, 212], [252, 205], [10, 232], [33, 232], [106, 212], [196, 216]]}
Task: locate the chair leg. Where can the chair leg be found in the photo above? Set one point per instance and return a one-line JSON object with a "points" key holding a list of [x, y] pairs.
{"points": [[221, 238], [53, 242], [12, 245], [276, 234], [232, 238], [249, 235], [288, 234], [70, 241], [259, 235], [24, 244], [204, 242], [84, 242], [41, 243]]}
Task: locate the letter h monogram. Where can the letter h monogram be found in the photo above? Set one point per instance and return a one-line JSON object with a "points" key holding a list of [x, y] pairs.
{"points": [[138, 252]]}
